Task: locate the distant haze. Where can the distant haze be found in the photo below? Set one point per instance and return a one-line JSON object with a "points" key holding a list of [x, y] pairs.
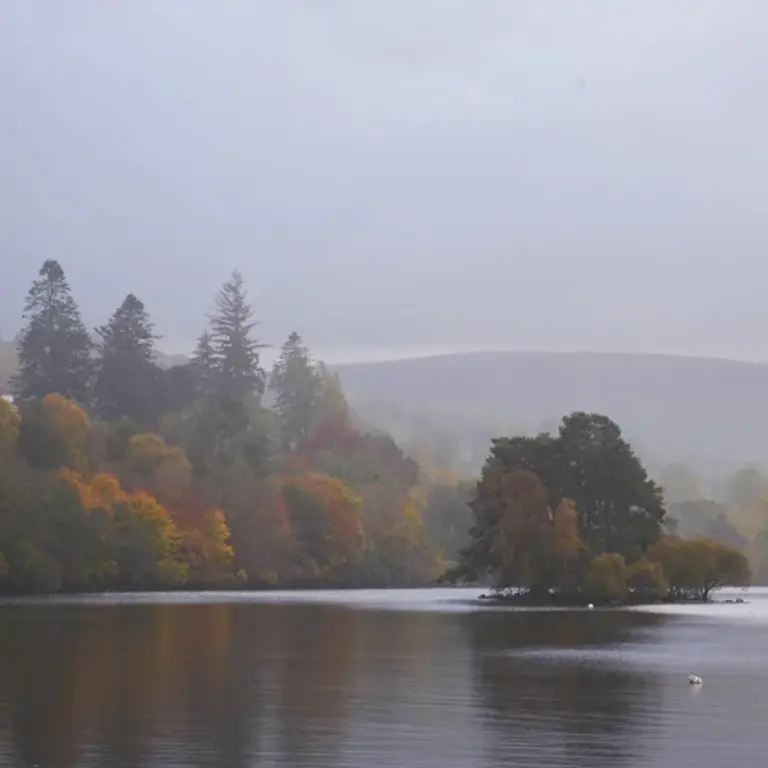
{"points": [[397, 177]]}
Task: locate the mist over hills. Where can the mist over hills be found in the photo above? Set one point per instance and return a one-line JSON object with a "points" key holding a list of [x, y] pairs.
{"points": [[707, 412]]}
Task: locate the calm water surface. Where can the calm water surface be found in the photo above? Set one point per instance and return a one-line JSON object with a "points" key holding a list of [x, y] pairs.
{"points": [[368, 679]]}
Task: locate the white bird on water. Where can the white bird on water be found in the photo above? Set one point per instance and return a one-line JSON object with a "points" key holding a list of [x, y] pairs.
{"points": [[695, 680]]}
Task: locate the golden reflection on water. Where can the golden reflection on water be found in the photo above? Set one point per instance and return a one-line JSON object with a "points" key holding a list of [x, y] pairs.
{"points": [[236, 684]]}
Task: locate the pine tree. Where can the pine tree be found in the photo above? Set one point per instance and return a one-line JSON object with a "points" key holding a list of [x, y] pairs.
{"points": [[236, 352], [54, 348], [129, 383], [298, 390], [205, 364]]}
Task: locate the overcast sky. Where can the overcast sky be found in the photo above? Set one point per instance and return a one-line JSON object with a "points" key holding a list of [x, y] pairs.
{"points": [[396, 177]]}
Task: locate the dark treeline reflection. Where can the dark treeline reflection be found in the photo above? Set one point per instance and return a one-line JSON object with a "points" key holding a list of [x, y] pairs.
{"points": [[197, 682], [212, 685], [536, 673], [235, 685]]}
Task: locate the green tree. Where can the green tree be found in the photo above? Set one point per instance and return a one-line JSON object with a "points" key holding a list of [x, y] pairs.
{"points": [[620, 508], [224, 433], [205, 365], [48, 541], [184, 387], [298, 391], [54, 349], [129, 384], [606, 578], [236, 351]]}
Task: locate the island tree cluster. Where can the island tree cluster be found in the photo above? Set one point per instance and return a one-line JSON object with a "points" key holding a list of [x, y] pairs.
{"points": [[575, 516], [116, 473]]}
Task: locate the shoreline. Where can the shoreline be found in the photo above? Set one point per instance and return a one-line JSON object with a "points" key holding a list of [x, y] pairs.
{"points": [[579, 601]]}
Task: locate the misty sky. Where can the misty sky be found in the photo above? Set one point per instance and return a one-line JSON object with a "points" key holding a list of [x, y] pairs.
{"points": [[396, 177]]}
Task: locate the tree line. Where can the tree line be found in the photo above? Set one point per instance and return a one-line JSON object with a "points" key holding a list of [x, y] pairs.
{"points": [[575, 516], [733, 510], [116, 473]]}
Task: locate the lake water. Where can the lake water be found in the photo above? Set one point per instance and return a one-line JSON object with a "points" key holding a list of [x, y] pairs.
{"points": [[375, 678]]}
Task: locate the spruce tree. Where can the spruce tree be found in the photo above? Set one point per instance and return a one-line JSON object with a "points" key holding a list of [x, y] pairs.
{"points": [[298, 390], [205, 364], [129, 384], [54, 348], [236, 351]]}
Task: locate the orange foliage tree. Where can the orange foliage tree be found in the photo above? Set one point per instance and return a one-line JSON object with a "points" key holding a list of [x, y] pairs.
{"points": [[326, 519], [140, 539], [55, 432], [205, 538]]}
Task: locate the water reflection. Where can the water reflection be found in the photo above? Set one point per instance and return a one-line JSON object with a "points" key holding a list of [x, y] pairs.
{"points": [[228, 685], [235, 684], [574, 714]]}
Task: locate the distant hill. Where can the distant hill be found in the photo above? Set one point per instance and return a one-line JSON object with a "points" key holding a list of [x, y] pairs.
{"points": [[709, 412]]}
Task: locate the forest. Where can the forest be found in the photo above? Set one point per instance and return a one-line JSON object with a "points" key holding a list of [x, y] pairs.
{"points": [[118, 474], [121, 473]]}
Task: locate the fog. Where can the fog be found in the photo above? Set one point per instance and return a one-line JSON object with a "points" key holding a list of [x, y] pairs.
{"points": [[394, 178]]}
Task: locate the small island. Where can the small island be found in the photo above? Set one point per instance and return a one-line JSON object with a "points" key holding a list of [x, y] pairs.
{"points": [[574, 519]]}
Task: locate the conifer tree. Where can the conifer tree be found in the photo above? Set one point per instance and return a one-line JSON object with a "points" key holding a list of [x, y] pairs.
{"points": [[236, 351], [54, 348], [205, 364], [129, 384], [298, 390]]}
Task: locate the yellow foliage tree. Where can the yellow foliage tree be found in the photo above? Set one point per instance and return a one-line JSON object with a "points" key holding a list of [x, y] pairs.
{"points": [[694, 567], [567, 549], [206, 548], [147, 543], [9, 424]]}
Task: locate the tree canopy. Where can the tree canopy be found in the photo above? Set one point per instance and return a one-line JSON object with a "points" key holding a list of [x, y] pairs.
{"points": [[142, 477], [117, 473], [54, 349], [576, 514]]}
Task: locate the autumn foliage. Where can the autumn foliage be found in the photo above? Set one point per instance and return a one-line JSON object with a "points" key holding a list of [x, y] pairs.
{"points": [[532, 537], [117, 474]]}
